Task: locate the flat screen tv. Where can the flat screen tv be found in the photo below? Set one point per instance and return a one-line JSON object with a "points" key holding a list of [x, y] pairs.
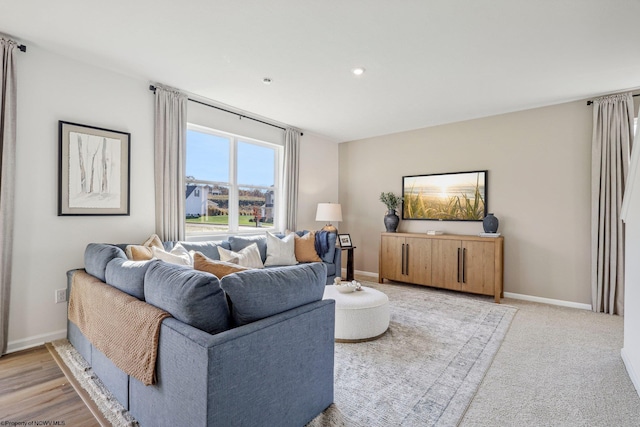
{"points": [[456, 196]]}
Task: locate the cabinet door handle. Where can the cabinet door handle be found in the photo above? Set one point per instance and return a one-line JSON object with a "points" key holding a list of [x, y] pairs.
{"points": [[402, 272], [464, 264], [458, 270], [406, 262]]}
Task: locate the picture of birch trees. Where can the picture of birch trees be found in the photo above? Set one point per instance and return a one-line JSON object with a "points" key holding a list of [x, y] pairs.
{"points": [[94, 171]]}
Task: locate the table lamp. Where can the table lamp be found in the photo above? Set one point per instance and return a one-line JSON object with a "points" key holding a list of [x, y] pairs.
{"points": [[329, 212]]}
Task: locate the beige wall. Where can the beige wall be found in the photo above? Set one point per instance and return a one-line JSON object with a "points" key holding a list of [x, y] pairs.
{"points": [[539, 164], [318, 178]]}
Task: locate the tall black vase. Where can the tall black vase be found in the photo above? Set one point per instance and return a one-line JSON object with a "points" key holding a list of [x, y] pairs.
{"points": [[391, 221]]}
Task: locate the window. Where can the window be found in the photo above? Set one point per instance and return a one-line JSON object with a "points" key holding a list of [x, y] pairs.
{"points": [[231, 183]]}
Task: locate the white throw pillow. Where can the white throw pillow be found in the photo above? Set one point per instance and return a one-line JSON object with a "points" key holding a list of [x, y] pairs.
{"points": [[247, 257], [178, 255], [281, 251]]}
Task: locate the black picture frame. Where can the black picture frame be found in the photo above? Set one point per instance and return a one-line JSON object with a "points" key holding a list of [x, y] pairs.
{"points": [[93, 170], [345, 241]]}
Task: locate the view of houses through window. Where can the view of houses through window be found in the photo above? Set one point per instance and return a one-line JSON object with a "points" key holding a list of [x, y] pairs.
{"points": [[231, 182]]}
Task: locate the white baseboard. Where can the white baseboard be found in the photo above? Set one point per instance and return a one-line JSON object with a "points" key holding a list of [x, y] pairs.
{"points": [[360, 273], [632, 373], [507, 295], [25, 343], [366, 273], [559, 302]]}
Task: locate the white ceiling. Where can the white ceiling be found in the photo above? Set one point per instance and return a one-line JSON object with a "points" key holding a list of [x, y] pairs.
{"points": [[428, 62]]}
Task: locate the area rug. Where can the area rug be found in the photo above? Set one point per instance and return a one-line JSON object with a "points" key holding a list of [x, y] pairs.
{"points": [[89, 382], [424, 371], [427, 367]]}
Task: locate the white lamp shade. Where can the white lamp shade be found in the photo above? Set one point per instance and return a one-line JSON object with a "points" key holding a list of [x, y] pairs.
{"points": [[331, 212]]}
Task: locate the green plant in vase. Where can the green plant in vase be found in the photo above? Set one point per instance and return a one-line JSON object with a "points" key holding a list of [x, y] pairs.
{"points": [[391, 201]]}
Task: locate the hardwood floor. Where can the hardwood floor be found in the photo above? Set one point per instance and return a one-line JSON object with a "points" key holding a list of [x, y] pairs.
{"points": [[33, 388]]}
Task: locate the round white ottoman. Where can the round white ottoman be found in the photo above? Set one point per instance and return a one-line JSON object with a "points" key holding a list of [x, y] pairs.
{"points": [[360, 315]]}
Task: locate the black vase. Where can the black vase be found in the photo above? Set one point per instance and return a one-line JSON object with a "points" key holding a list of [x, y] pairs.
{"points": [[391, 221], [490, 223]]}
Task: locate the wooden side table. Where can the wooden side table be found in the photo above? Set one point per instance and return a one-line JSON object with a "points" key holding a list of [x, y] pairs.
{"points": [[349, 262]]}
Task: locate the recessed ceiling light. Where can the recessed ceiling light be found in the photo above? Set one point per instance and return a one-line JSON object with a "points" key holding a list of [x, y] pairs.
{"points": [[266, 81], [358, 71]]}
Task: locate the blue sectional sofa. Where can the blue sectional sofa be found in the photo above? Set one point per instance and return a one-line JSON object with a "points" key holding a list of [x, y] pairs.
{"points": [[267, 359]]}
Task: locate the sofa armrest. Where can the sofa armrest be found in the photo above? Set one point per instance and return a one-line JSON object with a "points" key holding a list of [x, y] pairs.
{"points": [[337, 260], [336, 263], [276, 371]]}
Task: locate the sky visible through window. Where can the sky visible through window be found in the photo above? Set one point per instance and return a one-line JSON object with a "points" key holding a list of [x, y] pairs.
{"points": [[256, 164], [208, 160]]}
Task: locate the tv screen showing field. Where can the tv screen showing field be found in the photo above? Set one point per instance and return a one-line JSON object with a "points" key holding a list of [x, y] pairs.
{"points": [[447, 197]]}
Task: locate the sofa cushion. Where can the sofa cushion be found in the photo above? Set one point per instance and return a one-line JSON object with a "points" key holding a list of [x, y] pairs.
{"points": [[98, 255], [191, 296], [247, 257], [208, 249], [128, 276], [216, 267], [280, 250], [256, 294], [305, 248], [238, 243]]}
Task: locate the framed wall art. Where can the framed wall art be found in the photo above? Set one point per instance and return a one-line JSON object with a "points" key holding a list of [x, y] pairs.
{"points": [[457, 196], [93, 170]]}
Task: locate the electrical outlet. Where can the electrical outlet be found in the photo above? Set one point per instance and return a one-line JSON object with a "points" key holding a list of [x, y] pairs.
{"points": [[61, 295]]}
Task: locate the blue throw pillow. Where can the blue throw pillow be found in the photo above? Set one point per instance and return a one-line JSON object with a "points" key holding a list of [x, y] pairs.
{"points": [[98, 255], [191, 296], [257, 294]]}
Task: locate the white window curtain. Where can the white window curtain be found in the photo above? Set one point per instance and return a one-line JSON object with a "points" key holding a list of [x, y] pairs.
{"points": [[291, 176], [611, 147], [170, 147], [7, 178]]}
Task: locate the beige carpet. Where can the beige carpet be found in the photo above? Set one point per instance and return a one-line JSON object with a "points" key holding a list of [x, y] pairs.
{"points": [[423, 372], [557, 367]]}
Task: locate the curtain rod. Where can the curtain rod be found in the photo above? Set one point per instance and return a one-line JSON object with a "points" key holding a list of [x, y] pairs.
{"points": [[152, 88], [591, 102], [22, 47]]}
